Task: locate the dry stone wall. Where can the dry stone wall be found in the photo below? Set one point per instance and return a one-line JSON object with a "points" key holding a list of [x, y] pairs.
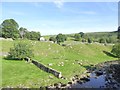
{"points": [[47, 69]]}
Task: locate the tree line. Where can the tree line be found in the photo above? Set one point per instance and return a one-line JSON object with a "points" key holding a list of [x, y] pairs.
{"points": [[9, 28]]}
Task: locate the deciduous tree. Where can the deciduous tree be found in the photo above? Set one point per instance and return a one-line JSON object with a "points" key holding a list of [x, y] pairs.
{"points": [[10, 29], [20, 51], [116, 50]]}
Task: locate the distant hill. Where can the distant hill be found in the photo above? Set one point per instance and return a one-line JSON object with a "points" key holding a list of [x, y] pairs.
{"points": [[93, 35]]}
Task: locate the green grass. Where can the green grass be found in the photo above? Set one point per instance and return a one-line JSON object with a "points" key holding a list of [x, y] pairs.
{"points": [[23, 74], [19, 72]]}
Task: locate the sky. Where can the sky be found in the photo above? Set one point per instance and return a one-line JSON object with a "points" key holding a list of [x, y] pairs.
{"points": [[56, 17]]}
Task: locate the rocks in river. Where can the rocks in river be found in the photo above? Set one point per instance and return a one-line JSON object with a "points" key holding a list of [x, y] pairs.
{"points": [[98, 73], [85, 79], [60, 85], [56, 85], [69, 82], [63, 85]]}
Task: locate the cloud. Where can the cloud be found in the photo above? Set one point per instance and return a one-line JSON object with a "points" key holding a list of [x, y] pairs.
{"points": [[59, 3]]}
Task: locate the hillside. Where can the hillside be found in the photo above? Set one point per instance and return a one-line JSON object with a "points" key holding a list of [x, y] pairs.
{"points": [[95, 36], [69, 60]]}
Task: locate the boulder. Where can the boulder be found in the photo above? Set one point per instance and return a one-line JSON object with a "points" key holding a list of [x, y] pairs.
{"points": [[85, 79], [98, 73]]}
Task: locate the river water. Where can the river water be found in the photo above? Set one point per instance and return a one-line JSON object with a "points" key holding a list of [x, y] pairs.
{"points": [[105, 80], [105, 75], [97, 82]]}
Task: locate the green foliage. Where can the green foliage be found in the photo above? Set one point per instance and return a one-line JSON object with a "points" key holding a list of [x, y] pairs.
{"points": [[77, 37], [20, 51], [102, 40], [110, 40], [22, 32], [118, 33], [52, 39], [96, 36], [83, 40], [82, 34], [89, 40], [116, 50], [61, 38], [86, 54], [33, 35], [10, 29]]}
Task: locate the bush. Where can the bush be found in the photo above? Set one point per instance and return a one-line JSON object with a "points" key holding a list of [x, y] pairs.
{"points": [[20, 51], [89, 40], [52, 39], [116, 50], [77, 37], [61, 38], [101, 40]]}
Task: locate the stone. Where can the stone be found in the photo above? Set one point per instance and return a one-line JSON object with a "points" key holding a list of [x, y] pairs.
{"points": [[85, 79], [69, 82], [98, 73], [63, 85], [50, 64], [55, 84], [50, 77], [79, 82]]}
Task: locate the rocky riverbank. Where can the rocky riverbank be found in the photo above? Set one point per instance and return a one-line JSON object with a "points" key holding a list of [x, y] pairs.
{"points": [[106, 75]]}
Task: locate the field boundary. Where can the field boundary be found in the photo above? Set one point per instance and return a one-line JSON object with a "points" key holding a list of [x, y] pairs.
{"points": [[47, 69]]}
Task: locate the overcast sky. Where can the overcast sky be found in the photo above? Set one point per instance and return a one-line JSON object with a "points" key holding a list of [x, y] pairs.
{"points": [[63, 17]]}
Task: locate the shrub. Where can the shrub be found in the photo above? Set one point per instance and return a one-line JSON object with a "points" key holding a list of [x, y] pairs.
{"points": [[89, 40], [116, 50], [20, 51], [61, 38], [52, 39], [101, 40], [77, 37]]}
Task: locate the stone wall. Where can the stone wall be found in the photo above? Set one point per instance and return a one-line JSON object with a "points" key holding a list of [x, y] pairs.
{"points": [[47, 69]]}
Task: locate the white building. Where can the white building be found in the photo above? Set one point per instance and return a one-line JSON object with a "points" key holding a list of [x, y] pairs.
{"points": [[42, 39]]}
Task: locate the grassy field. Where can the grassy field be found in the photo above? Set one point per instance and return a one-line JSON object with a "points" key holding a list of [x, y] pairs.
{"points": [[23, 74], [62, 58]]}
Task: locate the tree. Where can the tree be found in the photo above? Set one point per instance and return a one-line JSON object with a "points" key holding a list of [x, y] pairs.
{"points": [[22, 32], [116, 50], [33, 35], [61, 38], [10, 29], [118, 33], [81, 34], [83, 40], [77, 37], [110, 40], [20, 51], [118, 37], [0, 30], [89, 40], [101, 40], [52, 39]]}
